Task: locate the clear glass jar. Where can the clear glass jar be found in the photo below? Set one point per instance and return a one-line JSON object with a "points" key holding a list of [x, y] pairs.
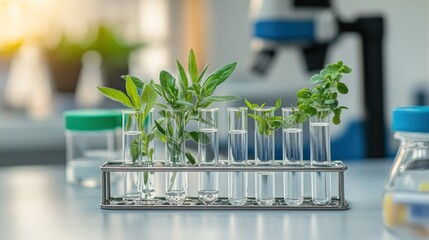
{"points": [[406, 195], [90, 141]]}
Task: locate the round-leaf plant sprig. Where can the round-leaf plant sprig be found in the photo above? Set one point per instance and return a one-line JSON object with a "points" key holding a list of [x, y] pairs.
{"points": [[187, 93], [324, 94], [310, 101], [267, 124]]}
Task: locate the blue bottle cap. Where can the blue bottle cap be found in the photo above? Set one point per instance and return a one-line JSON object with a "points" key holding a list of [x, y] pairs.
{"points": [[411, 119]]}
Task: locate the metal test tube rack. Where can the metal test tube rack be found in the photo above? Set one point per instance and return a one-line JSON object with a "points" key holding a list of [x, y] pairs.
{"points": [[109, 202]]}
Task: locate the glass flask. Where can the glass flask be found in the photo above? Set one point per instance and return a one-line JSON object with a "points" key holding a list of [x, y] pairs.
{"points": [[406, 195]]}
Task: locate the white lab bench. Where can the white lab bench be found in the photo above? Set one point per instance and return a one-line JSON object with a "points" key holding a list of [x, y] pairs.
{"points": [[36, 203]]}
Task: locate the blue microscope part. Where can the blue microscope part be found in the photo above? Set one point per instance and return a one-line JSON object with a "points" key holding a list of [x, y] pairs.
{"points": [[285, 30]]}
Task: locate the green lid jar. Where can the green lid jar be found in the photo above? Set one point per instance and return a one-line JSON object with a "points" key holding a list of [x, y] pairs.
{"points": [[90, 142]]}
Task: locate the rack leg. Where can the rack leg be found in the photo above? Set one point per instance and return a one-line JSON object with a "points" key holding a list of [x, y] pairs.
{"points": [[105, 192], [341, 188]]}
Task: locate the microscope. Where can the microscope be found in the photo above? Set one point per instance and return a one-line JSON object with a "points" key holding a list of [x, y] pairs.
{"points": [[313, 26]]}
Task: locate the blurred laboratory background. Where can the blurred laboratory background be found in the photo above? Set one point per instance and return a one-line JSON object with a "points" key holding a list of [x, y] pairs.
{"points": [[53, 54]]}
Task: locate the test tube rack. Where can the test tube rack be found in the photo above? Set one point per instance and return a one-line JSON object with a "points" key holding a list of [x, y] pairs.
{"points": [[159, 203]]}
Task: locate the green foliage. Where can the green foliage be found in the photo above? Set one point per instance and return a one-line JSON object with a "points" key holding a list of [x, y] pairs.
{"points": [[324, 95], [265, 123], [189, 92], [144, 103]]}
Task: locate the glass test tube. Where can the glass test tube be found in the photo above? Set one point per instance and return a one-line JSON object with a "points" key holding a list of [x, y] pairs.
{"points": [[175, 137], [208, 151], [264, 155], [148, 178], [237, 154], [293, 182], [131, 147], [176, 187], [176, 182], [320, 154]]}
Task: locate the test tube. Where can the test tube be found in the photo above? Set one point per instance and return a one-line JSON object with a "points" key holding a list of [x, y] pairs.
{"points": [[320, 155], [264, 139], [131, 147], [237, 154], [176, 187], [208, 151], [293, 182], [264, 155], [147, 147], [175, 137]]}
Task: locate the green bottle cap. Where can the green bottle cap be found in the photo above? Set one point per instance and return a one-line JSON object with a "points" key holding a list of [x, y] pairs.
{"points": [[92, 119]]}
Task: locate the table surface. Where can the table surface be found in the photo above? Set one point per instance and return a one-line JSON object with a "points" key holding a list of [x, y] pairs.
{"points": [[36, 203]]}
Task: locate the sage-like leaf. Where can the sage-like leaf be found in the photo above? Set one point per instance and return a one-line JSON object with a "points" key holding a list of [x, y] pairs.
{"points": [[149, 97], [139, 83], [192, 67], [116, 95], [132, 92], [217, 78], [226, 98], [182, 75]]}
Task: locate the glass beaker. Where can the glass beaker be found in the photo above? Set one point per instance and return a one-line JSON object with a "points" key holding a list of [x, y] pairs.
{"points": [[406, 195], [320, 155], [293, 182], [237, 154], [208, 151]]}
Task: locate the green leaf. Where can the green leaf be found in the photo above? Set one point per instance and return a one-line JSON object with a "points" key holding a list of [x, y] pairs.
{"points": [[167, 80], [132, 92], [160, 128], [317, 79], [161, 137], [336, 119], [192, 67], [202, 73], [183, 76], [278, 104], [149, 97], [331, 68], [150, 137], [135, 149], [186, 103], [342, 88], [301, 118], [250, 105], [226, 98], [345, 69], [331, 102], [145, 177], [139, 83], [116, 95], [194, 136], [311, 110], [302, 93], [190, 158], [217, 78]]}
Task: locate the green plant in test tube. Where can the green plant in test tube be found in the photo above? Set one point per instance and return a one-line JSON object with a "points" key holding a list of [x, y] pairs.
{"points": [[142, 103]]}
